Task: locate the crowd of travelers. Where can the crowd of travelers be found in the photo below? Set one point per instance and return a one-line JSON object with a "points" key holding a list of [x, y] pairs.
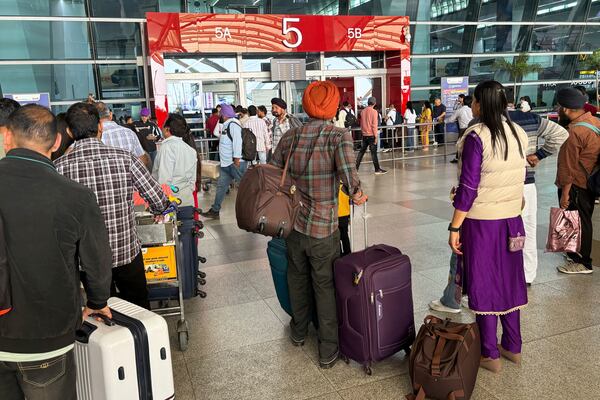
{"points": [[67, 216]]}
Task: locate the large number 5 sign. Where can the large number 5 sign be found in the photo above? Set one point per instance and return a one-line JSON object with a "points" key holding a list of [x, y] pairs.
{"points": [[285, 29]]}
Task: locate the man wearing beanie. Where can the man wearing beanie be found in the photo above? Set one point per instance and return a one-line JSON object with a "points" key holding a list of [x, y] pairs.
{"points": [[230, 154], [577, 158], [322, 155], [283, 121], [369, 121]]}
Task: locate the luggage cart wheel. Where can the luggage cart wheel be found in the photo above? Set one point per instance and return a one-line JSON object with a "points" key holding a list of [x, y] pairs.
{"points": [[206, 187], [202, 274], [202, 294], [202, 281], [261, 227], [202, 260], [368, 370], [199, 234], [183, 341], [280, 233], [407, 351]]}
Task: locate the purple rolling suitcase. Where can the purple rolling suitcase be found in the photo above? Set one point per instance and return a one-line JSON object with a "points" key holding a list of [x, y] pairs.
{"points": [[374, 302]]}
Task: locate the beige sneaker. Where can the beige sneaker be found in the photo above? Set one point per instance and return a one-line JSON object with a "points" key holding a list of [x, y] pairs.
{"points": [[574, 268]]}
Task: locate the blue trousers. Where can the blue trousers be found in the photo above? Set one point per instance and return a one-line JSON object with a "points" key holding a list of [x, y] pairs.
{"points": [[228, 174], [449, 297]]}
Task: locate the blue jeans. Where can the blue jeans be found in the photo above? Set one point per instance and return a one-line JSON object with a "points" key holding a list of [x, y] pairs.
{"points": [[449, 297], [410, 139], [228, 174]]}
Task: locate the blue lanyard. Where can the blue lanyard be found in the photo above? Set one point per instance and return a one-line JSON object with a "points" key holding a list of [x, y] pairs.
{"points": [[32, 160]]}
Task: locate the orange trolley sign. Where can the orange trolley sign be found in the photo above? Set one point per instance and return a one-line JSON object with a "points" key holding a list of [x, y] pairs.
{"points": [[257, 33]]}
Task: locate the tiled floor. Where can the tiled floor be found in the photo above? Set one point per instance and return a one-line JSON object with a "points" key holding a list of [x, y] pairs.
{"points": [[238, 341]]}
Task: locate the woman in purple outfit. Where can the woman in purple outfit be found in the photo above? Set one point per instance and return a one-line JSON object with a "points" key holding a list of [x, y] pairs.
{"points": [[488, 204]]}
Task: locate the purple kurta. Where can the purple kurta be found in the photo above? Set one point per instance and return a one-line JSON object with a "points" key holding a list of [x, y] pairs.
{"points": [[494, 277]]}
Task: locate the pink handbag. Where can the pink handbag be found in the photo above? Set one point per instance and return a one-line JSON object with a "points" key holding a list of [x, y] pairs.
{"points": [[564, 233]]}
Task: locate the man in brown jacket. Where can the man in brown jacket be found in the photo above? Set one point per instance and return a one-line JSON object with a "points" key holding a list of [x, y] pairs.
{"points": [[577, 158], [369, 119]]}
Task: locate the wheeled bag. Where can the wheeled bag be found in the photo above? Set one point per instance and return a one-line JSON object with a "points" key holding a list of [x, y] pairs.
{"points": [[277, 254], [445, 360], [374, 302], [126, 357]]}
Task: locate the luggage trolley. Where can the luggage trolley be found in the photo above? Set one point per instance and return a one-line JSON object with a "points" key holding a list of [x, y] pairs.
{"points": [[163, 258]]}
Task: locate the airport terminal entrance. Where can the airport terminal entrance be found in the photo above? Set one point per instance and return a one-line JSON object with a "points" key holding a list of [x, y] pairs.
{"points": [[201, 60], [196, 84]]}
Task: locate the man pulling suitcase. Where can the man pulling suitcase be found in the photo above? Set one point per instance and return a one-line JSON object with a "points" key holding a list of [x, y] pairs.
{"points": [[325, 154]]}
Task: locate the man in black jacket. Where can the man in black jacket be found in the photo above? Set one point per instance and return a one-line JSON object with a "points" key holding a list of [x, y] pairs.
{"points": [[53, 228]]}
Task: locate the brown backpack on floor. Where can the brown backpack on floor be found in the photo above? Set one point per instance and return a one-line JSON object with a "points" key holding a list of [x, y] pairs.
{"points": [[444, 360]]}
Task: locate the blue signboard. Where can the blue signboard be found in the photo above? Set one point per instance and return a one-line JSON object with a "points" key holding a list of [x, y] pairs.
{"points": [[451, 88]]}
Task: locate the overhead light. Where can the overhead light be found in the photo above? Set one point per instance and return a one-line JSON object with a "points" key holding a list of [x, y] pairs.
{"points": [[256, 2]]}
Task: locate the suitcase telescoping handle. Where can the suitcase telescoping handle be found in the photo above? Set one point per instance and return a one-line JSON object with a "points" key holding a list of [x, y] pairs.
{"points": [[365, 226]]}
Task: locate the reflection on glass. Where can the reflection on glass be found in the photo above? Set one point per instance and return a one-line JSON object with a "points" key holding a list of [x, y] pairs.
{"points": [[217, 92], [260, 93], [58, 8], [58, 80], [123, 8], [298, 88], [482, 69], [43, 40], [200, 64], [120, 81], [262, 62], [353, 61], [184, 96], [555, 38], [439, 39], [365, 88], [312, 7], [118, 40]]}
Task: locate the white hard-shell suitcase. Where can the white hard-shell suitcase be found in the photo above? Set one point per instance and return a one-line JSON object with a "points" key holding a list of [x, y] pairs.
{"points": [[128, 357]]}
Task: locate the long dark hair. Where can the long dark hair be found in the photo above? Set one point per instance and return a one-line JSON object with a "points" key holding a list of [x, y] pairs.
{"points": [[410, 106], [427, 104], [178, 127], [492, 100]]}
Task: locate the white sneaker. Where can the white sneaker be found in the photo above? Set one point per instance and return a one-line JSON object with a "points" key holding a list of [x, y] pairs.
{"points": [[574, 268], [437, 305]]}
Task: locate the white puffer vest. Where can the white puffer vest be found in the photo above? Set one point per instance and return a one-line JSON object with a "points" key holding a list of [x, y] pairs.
{"points": [[500, 191]]}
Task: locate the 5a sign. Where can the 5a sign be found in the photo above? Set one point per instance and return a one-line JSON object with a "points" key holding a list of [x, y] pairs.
{"points": [[286, 28]]}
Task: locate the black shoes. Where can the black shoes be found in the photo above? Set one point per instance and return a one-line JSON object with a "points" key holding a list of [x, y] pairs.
{"points": [[455, 161], [381, 172], [210, 214], [327, 363], [298, 342]]}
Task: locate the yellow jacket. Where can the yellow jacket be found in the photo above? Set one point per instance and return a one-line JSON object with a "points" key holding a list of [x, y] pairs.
{"points": [[344, 204]]}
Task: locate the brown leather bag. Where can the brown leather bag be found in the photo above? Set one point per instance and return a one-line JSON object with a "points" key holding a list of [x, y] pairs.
{"points": [[267, 201], [444, 360]]}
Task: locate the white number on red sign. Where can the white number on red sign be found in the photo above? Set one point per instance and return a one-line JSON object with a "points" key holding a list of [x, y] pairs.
{"points": [[221, 33], [354, 33], [285, 29]]}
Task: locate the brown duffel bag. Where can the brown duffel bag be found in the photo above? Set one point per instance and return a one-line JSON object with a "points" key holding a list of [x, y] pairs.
{"points": [[267, 201], [444, 360]]}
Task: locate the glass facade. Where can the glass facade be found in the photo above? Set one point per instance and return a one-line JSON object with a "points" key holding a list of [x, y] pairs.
{"points": [[75, 47]]}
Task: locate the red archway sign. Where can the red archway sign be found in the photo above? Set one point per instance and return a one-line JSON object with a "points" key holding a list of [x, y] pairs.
{"points": [[259, 33]]}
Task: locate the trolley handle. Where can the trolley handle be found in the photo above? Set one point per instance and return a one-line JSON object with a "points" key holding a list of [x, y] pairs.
{"points": [[365, 216], [107, 321]]}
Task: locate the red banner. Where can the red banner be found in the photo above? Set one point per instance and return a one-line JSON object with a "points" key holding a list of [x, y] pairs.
{"points": [[259, 33]]}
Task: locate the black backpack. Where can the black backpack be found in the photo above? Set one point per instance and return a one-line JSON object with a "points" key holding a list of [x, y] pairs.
{"points": [[249, 152], [351, 121], [399, 119], [593, 178]]}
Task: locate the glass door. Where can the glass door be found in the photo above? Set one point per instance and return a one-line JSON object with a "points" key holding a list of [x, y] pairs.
{"points": [[186, 98]]}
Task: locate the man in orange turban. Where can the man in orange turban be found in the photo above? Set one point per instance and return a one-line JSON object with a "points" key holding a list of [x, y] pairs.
{"points": [[321, 100], [322, 154]]}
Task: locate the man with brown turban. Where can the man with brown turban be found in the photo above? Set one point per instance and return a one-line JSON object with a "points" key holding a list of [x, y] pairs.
{"points": [[322, 156]]}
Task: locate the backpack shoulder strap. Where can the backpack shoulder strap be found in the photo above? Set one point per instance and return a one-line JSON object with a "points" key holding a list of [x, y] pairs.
{"points": [[595, 129], [227, 129]]}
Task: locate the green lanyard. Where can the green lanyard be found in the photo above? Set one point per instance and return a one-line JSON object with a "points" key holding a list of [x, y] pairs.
{"points": [[32, 160]]}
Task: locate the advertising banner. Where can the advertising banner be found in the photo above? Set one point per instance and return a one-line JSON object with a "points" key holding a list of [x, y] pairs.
{"points": [[159, 263], [42, 99], [451, 88]]}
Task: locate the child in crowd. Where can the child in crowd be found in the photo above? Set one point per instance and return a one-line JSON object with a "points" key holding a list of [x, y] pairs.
{"points": [[344, 221]]}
